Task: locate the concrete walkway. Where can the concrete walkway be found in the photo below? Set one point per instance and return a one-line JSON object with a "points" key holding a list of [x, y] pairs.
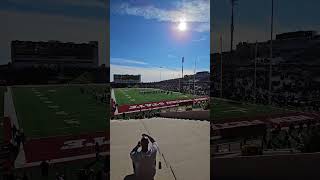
{"points": [[184, 147]]}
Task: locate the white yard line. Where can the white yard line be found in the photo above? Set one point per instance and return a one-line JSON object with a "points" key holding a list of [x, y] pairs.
{"points": [[113, 96], [9, 109]]}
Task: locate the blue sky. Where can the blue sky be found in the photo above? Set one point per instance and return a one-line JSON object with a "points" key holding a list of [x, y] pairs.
{"points": [[252, 19], [63, 20], [144, 37]]}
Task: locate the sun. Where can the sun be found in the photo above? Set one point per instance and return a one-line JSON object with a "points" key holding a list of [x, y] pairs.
{"points": [[182, 26]]}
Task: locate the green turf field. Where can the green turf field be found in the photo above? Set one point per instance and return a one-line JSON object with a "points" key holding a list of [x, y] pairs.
{"points": [[133, 96], [224, 109], [2, 90], [46, 111]]}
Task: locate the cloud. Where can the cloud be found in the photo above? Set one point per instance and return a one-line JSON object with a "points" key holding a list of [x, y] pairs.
{"points": [[193, 11], [149, 74], [130, 61], [31, 26]]}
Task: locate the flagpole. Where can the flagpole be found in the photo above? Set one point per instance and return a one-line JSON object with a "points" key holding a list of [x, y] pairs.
{"points": [[179, 83], [182, 74], [182, 66], [160, 73]]}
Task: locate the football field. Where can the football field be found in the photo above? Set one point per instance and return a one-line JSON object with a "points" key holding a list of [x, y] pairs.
{"points": [[59, 110], [127, 96], [222, 109], [60, 122]]}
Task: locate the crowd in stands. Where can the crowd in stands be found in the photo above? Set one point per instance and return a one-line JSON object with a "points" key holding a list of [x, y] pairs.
{"points": [[17, 139], [296, 137], [47, 171], [99, 94], [290, 87], [200, 89], [156, 113], [304, 137], [138, 115]]}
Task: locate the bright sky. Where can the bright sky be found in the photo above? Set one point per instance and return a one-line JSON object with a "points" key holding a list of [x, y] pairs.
{"points": [[146, 35]]}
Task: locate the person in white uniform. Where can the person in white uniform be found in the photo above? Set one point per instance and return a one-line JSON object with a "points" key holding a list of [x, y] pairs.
{"points": [[144, 158]]}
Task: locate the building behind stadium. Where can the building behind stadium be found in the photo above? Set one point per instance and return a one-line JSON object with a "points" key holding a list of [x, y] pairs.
{"points": [[54, 62], [126, 79], [54, 54], [300, 47]]}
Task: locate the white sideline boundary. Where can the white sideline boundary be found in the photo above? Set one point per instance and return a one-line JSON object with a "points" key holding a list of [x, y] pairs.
{"points": [[10, 111], [114, 98]]}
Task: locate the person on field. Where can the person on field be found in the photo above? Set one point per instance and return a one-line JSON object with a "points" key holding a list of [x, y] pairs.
{"points": [[144, 158]]}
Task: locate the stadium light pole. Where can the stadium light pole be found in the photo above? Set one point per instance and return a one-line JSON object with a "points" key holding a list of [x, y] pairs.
{"points": [[233, 3], [255, 71], [221, 66], [179, 82], [194, 76], [160, 71], [182, 72], [271, 54]]}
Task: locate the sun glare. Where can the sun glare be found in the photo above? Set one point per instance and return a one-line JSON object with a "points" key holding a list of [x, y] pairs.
{"points": [[182, 26]]}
